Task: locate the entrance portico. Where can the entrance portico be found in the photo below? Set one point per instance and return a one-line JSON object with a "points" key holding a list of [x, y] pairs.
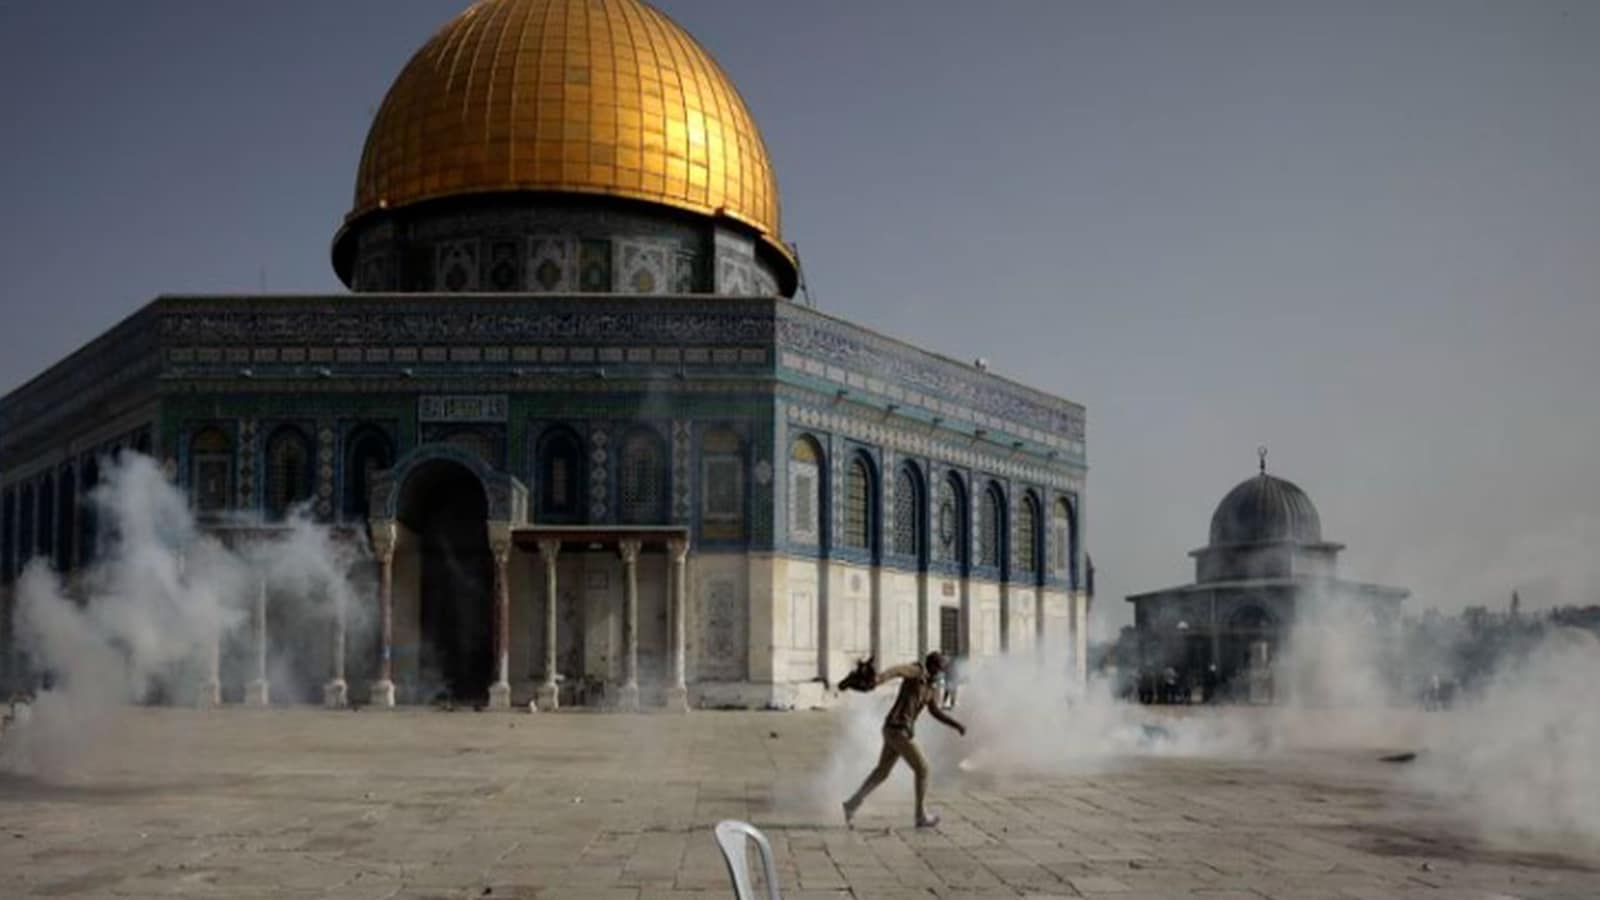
{"points": [[628, 542]]}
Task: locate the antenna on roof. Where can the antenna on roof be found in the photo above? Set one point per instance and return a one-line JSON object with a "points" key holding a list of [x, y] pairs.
{"points": [[800, 273], [1261, 451]]}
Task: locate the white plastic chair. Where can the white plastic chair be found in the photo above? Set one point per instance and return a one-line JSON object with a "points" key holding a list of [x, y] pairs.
{"points": [[733, 837]]}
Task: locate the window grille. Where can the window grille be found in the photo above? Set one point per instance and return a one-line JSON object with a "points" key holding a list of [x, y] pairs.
{"points": [[857, 505], [1061, 533], [905, 513], [643, 475], [722, 482], [1028, 537], [288, 471], [991, 513], [805, 502]]}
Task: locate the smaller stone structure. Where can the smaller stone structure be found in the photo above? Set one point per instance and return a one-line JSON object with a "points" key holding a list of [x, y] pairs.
{"points": [[1265, 568]]}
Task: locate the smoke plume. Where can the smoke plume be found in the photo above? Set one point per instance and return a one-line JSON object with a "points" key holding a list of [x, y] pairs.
{"points": [[143, 621]]}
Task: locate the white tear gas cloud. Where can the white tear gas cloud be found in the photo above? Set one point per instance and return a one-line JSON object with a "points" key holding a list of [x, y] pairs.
{"points": [[1513, 761], [143, 620]]}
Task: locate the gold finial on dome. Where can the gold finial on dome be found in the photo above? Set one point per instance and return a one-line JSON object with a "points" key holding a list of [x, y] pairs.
{"points": [[605, 97]]}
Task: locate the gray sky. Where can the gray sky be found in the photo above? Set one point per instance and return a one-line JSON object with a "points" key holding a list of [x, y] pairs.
{"points": [[1365, 234]]}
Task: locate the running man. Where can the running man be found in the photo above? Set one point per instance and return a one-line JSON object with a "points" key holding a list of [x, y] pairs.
{"points": [[917, 692]]}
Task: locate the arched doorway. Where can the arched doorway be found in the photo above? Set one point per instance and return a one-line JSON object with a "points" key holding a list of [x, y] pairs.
{"points": [[444, 505], [1249, 650]]}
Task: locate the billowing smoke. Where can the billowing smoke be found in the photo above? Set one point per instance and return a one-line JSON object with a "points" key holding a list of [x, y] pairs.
{"points": [[148, 618], [1514, 759], [1521, 758]]}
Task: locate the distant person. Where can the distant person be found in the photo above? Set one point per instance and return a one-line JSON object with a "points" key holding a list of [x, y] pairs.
{"points": [[950, 681], [917, 692]]}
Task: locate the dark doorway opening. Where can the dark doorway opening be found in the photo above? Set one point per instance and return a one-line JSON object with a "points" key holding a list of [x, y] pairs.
{"points": [[950, 630], [444, 504]]}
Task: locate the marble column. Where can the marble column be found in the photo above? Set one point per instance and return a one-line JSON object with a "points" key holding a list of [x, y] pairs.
{"points": [[547, 697], [208, 693], [1039, 639], [628, 695], [336, 693], [258, 692], [677, 692], [384, 535], [211, 686], [500, 548]]}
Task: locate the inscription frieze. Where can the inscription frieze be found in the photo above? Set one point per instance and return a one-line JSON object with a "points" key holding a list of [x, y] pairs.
{"points": [[463, 408]]}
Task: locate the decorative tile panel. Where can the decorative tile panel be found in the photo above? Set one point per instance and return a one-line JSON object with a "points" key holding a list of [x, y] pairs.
{"points": [[681, 510]]}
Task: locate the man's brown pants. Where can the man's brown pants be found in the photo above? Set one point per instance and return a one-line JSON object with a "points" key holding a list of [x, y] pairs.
{"points": [[897, 744]]}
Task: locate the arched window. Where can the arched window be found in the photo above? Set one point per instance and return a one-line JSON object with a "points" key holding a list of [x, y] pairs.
{"points": [[950, 521], [908, 505], [210, 470], [562, 477], [1028, 538], [643, 480], [66, 517], [88, 514], [369, 451], [991, 525], [288, 470], [47, 519], [858, 504], [722, 484], [1064, 542], [805, 491]]}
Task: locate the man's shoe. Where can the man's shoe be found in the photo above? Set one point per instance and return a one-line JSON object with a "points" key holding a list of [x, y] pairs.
{"points": [[928, 822], [849, 815]]}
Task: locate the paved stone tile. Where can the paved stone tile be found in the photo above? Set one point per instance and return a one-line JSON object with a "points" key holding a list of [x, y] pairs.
{"points": [[422, 804]]}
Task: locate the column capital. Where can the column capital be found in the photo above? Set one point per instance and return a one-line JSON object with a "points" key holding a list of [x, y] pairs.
{"points": [[500, 541], [385, 533], [629, 551], [549, 549], [678, 549]]}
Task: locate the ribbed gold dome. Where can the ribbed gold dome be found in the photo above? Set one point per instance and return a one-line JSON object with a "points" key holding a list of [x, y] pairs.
{"points": [[588, 96]]}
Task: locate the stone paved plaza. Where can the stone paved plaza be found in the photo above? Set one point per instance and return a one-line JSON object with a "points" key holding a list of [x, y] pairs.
{"points": [[306, 803]]}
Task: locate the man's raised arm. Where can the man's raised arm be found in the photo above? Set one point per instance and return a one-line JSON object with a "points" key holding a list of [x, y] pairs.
{"points": [[909, 670]]}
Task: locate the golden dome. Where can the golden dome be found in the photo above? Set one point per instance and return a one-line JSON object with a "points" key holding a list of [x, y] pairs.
{"points": [[587, 96]]}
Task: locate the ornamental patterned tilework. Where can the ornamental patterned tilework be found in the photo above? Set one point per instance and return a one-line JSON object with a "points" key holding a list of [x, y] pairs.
{"points": [[681, 511], [835, 489], [246, 461], [844, 346], [598, 475], [354, 321], [324, 473]]}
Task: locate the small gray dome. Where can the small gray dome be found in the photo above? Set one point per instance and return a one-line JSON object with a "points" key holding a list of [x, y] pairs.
{"points": [[1265, 508]]}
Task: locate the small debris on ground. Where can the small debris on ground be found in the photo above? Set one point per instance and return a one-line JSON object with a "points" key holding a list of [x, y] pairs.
{"points": [[1405, 757]]}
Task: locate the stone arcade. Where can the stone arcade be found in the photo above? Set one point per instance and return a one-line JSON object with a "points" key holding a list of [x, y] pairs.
{"points": [[601, 456]]}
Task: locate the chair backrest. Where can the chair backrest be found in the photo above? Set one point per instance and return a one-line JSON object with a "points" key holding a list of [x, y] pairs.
{"points": [[733, 837]]}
